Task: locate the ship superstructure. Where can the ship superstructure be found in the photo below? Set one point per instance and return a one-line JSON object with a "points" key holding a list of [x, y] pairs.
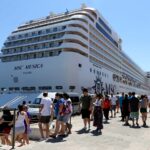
{"points": [[66, 52]]}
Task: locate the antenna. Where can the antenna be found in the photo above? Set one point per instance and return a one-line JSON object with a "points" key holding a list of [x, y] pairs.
{"points": [[83, 5], [67, 12], [52, 14]]}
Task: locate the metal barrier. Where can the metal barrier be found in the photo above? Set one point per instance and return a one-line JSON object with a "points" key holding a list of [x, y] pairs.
{"points": [[14, 120]]}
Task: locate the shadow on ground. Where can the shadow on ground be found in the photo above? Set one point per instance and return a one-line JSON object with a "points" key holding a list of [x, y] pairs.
{"points": [[82, 131]]}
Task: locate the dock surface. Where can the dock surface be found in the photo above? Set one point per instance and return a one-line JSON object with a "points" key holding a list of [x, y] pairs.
{"points": [[114, 136]]}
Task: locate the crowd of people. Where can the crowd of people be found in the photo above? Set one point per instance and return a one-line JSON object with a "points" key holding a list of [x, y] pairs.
{"points": [[98, 108], [21, 125]]}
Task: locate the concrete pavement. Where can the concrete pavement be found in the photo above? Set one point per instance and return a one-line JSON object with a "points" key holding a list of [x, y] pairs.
{"points": [[114, 136]]}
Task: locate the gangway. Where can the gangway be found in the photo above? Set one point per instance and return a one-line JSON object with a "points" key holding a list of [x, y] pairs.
{"points": [[14, 101]]}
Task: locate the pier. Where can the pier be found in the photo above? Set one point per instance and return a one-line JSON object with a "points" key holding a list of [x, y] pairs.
{"points": [[114, 136]]}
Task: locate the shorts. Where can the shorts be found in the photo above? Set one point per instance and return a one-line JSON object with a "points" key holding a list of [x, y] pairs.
{"points": [[6, 130], [113, 107], [27, 130], [85, 113], [134, 115], [67, 117], [44, 119], [19, 130], [143, 110], [61, 118]]}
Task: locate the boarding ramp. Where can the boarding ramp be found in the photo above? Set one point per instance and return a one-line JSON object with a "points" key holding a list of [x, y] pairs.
{"points": [[14, 99]]}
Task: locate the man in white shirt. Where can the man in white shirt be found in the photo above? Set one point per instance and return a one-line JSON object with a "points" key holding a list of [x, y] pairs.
{"points": [[46, 109], [113, 100]]}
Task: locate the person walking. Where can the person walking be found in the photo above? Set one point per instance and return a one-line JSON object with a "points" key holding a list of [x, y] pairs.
{"points": [[60, 116], [27, 127], [98, 113], [113, 100], [85, 105], [143, 108], [134, 107], [106, 107], [5, 128], [20, 126], [45, 110], [126, 109], [67, 112], [121, 98]]}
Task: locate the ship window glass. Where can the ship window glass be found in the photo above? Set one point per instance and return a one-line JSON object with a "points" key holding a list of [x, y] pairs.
{"points": [[33, 33], [13, 37], [31, 56], [74, 99], [39, 55], [26, 35], [79, 65], [54, 36], [3, 89], [46, 54], [43, 45], [106, 34], [28, 88], [50, 53], [45, 88], [47, 30], [39, 32], [16, 88], [19, 36], [104, 25], [54, 29], [59, 87], [72, 87], [63, 27]]}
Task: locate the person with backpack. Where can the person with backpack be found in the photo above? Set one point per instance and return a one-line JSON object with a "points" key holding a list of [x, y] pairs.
{"points": [[60, 116], [106, 107], [67, 112]]}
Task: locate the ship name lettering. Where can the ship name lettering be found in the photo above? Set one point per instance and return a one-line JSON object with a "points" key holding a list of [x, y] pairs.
{"points": [[18, 68], [35, 66]]}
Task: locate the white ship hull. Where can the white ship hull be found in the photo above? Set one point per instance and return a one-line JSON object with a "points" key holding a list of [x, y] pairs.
{"points": [[62, 70]]}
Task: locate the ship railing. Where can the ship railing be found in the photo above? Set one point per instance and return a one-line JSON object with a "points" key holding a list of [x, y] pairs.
{"points": [[9, 102], [15, 100]]}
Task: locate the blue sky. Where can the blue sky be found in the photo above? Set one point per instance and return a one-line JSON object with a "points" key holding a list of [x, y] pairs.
{"points": [[129, 18]]}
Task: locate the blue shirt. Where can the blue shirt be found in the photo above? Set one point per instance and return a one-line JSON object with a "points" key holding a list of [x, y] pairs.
{"points": [[121, 98], [58, 103]]}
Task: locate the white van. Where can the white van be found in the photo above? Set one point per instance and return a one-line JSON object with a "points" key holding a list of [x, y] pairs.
{"points": [[33, 109]]}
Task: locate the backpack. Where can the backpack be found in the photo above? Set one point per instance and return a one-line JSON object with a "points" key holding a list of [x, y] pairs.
{"points": [[106, 104], [67, 108]]}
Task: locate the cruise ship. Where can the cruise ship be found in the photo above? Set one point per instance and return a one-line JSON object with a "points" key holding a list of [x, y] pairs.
{"points": [[67, 52]]}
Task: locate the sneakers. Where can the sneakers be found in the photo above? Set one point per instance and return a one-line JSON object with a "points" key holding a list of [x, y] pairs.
{"points": [[85, 128], [53, 136], [41, 139]]}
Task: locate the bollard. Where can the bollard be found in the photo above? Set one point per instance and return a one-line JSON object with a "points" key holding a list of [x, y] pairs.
{"points": [[13, 137]]}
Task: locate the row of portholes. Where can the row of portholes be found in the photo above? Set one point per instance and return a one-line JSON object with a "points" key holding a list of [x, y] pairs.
{"points": [[71, 87], [99, 73]]}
